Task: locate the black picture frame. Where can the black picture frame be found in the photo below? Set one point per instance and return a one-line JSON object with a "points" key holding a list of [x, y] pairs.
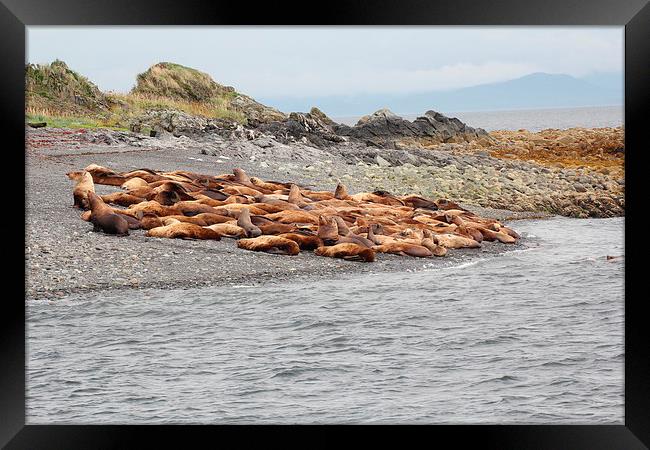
{"points": [[15, 15]]}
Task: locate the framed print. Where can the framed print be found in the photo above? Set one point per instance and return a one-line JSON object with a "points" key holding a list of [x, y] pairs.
{"points": [[397, 214]]}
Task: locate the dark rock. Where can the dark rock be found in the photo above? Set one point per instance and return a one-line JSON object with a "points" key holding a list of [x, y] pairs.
{"points": [[37, 124], [386, 129]]}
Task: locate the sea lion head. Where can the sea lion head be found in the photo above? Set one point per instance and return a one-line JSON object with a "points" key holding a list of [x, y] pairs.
{"points": [[327, 230], [341, 192], [241, 176]]}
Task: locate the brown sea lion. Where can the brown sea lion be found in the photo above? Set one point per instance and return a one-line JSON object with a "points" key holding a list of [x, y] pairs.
{"points": [[192, 208], [341, 192], [103, 218], [347, 251], [211, 219], [270, 244], [84, 185], [291, 216], [276, 228], [122, 199], [437, 250], [296, 198], [404, 249], [490, 235], [228, 230], [151, 207], [445, 204], [327, 230], [150, 221], [449, 240], [244, 221], [182, 230], [415, 201], [304, 241], [104, 175], [134, 183]]}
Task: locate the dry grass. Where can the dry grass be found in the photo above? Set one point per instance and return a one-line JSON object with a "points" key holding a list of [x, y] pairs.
{"points": [[135, 103]]}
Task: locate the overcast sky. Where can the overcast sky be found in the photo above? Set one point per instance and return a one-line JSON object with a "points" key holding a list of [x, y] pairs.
{"points": [[309, 61]]}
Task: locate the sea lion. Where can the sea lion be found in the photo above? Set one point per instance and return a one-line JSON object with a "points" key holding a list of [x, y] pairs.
{"points": [[490, 235], [104, 175], [404, 249], [304, 241], [291, 216], [134, 183], [183, 230], [151, 207], [228, 230], [347, 251], [449, 240], [104, 219], [436, 250], [296, 198], [211, 219], [415, 201], [276, 228], [150, 221], [341, 192], [327, 230], [241, 177], [122, 199], [84, 185], [244, 221], [270, 244], [445, 204]]}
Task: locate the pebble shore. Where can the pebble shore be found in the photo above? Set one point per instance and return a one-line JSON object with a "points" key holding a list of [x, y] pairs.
{"points": [[64, 256]]}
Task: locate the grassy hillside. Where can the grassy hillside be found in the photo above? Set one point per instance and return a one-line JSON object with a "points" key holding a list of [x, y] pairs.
{"points": [[61, 97]]}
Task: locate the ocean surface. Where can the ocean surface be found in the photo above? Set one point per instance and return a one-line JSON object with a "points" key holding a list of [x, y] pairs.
{"points": [[529, 336], [532, 119]]}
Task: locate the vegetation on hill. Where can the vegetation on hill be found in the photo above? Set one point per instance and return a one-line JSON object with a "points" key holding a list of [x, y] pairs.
{"points": [[60, 96]]}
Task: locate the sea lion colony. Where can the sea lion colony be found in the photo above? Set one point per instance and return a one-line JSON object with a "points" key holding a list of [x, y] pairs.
{"points": [[279, 217]]}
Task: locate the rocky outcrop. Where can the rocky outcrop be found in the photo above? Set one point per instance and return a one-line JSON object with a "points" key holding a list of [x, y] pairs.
{"points": [[314, 128], [255, 113], [386, 129]]}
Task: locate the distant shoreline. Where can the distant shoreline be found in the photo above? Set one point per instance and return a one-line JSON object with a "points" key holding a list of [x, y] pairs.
{"points": [[471, 116]]}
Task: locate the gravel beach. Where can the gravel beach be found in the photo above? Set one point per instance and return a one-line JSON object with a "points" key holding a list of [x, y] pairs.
{"points": [[64, 256]]}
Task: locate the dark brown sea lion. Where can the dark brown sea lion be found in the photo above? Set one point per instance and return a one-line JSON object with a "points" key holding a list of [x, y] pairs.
{"points": [[84, 185], [244, 221], [415, 201], [103, 218], [347, 251], [446, 204], [270, 244]]}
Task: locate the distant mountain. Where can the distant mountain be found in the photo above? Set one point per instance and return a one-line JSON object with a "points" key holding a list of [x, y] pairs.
{"points": [[537, 90]]}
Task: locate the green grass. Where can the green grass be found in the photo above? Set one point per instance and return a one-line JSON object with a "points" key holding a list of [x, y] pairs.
{"points": [[72, 122]]}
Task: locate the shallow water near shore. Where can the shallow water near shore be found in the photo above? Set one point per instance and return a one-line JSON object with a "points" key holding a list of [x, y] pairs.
{"points": [[529, 336]]}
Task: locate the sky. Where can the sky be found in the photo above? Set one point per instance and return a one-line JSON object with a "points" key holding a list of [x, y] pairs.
{"points": [[287, 62]]}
